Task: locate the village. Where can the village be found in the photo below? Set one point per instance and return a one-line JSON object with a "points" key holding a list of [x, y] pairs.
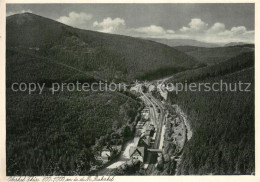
{"points": [[148, 136], [145, 135], [156, 128]]}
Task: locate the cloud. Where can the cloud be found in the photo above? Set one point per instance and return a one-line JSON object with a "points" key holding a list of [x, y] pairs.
{"points": [[118, 26], [170, 31], [153, 30], [196, 29], [79, 20], [195, 25], [109, 25], [9, 13], [217, 27], [239, 33], [217, 33], [238, 30]]}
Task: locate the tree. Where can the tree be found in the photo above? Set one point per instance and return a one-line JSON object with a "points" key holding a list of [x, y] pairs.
{"points": [[127, 132]]}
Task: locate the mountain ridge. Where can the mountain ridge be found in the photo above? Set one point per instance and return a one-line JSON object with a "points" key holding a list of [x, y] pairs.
{"points": [[112, 57], [184, 42], [215, 55]]}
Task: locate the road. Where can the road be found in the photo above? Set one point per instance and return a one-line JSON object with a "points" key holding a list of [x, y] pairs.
{"points": [[124, 156]]}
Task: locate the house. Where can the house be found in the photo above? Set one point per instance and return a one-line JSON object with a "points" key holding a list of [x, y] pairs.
{"points": [[144, 141], [150, 131], [140, 124], [151, 88], [145, 113], [137, 153], [147, 133], [116, 148], [153, 138], [105, 154]]}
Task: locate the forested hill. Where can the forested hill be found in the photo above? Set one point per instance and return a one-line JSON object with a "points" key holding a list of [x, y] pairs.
{"points": [[215, 55], [105, 55], [231, 65], [222, 121], [57, 134]]}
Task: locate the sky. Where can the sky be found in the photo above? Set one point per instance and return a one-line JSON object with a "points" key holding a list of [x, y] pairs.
{"points": [[214, 23]]}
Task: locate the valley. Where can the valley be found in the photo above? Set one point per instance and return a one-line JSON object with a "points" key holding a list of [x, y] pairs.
{"points": [[159, 116], [145, 129]]}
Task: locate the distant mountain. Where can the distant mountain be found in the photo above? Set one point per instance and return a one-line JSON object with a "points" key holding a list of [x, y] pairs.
{"points": [[234, 44], [215, 55], [107, 56], [184, 42]]}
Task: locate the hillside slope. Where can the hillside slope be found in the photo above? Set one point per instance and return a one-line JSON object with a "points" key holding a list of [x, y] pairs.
{"points": [[223, 129], [222, 122], [108, 56], [215, 55], [56, 134], [233, 64]]}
